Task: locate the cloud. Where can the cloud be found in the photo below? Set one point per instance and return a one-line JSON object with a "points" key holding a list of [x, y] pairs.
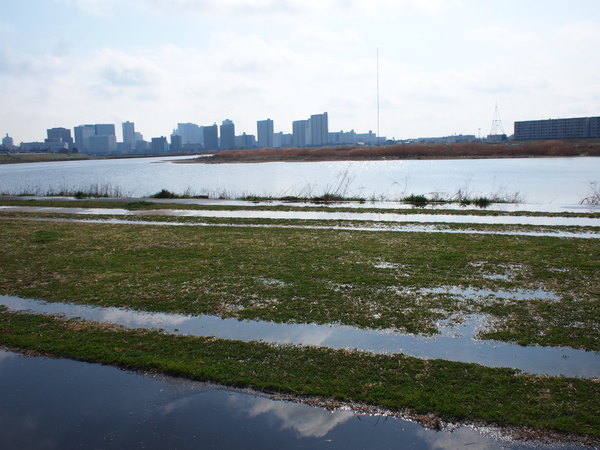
{"points": [[306, 421], [502, 36], [96, 7], [586, 32]]}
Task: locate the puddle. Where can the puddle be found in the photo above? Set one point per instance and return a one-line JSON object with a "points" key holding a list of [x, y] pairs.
{"points": [[455, 343], [59, 403], [496, 276], [376, 227], [487, 294], [322, 215]]}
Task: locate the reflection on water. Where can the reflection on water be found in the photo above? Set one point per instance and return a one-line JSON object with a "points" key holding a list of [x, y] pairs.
{"points": [[455, 341], [321, 215], [58, 403]]}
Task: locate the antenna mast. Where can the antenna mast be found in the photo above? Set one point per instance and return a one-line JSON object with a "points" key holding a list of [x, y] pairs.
{"points": [[497, 128], [377, 136]]}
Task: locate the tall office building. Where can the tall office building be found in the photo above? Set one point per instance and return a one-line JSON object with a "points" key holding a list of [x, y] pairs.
{"points": [[82, 137], [211, 137], [104, 129], [129, 134], [60, 135], [176, 143], [102, 144], [227, 130], [159, 145], [319, 129], [8, 142], [190, 133], [300, 131], [264, 130]]}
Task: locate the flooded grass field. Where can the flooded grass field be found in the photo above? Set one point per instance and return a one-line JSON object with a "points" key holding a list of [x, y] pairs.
{"points": [[295, 294]]}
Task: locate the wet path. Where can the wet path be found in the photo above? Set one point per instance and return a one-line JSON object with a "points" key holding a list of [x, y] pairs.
{"points": [[455, 343], [59, 403]]}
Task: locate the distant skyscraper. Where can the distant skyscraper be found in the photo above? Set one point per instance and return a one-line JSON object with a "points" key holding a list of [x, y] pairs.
{"points": [[245, 141], [104, 129], [8, 142], [102, 144], [300, 130], [159, 145], [60, 135], [211, 137], [264, 130], [319, 129], [176, 145], [129, 133], [227, 130], [190, 133], [82, 137]]}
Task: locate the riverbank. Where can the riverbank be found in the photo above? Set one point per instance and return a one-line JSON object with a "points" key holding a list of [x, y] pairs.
{"points": [[399, 152]]}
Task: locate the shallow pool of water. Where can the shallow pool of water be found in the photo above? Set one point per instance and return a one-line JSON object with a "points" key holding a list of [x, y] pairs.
{"points": [[59, 403], [455, 342]]}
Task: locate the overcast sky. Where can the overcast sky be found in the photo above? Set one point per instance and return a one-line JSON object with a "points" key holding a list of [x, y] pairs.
{"points": [[443, 64]]}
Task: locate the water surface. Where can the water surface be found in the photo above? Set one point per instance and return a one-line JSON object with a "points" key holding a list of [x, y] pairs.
{"points": [[59, 404], [551, 181], [454, 343]]}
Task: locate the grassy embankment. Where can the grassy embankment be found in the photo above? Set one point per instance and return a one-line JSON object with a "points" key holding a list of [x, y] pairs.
{"points": [[316, 276], [409, 151]]}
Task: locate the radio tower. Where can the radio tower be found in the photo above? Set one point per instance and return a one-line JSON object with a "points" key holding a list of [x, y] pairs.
{"points": [[377, 136], [497, 129]]}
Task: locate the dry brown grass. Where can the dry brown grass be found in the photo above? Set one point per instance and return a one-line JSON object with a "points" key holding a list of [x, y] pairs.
{"points": [[409, 151]]}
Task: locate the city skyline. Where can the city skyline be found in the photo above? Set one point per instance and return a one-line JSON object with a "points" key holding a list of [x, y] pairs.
{"points": [[443, 64]]}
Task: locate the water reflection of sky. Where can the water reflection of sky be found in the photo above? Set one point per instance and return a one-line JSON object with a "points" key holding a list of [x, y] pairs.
{"points": [[58, 403], [454, 343]]}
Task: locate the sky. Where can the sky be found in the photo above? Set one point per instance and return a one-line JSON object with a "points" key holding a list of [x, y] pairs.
{"points": [[444, 65]]}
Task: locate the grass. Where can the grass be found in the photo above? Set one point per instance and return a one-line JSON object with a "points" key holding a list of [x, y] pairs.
{"points": [[452, 391], [324, 276]]}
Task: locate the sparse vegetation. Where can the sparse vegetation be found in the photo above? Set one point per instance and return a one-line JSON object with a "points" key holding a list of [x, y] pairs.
{"points": [[593, 196]]}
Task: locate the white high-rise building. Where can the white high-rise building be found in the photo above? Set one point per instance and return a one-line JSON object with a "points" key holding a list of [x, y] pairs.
{"points": [[82, 137], [299, 133], [319, 129], [264, 130]]}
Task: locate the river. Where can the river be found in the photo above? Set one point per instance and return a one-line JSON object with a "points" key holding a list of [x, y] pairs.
{"points": [[549, 181]]}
